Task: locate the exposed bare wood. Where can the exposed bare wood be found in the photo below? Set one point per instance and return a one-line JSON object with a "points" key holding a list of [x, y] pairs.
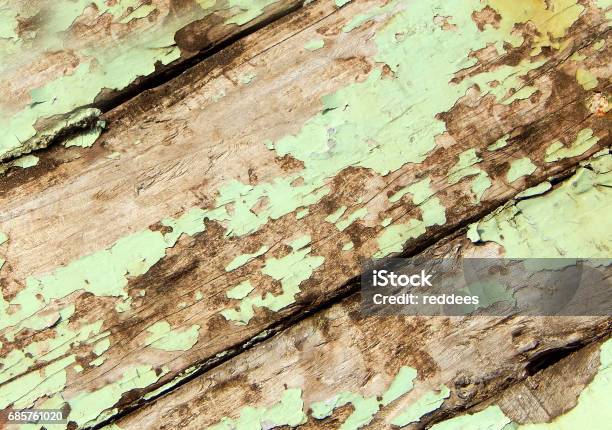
{"points": [[257, 157]]}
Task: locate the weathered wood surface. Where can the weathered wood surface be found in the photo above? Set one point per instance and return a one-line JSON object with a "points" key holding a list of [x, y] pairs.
{"points": [[456, 362], [243, 155], [61, 60]]}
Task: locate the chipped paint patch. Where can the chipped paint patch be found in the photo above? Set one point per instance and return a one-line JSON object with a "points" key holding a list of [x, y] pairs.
{"points": [[291, 270], [584, 141], [162, 336], [519, 168], [26, 161], [533, 228], [586, 79], [314, 44], [243, 259], [502, 142], [534, 191], [240, 291], [289, 411], [425, 404]]}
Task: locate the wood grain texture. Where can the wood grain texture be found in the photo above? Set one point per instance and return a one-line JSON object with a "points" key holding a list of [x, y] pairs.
{"points": [[251, 138], [61, 60]]}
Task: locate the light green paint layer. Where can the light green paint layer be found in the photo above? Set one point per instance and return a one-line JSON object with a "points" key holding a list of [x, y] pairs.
{"points": [[592, 409], [584, 141], [536, 227], [287, 412], [291, 270], [393, 237], [365, 408], [502, 142], [534, 191], [240, 291], [586, 79], [26, 161], [425, 404], [243, 259], [519, 168], [314, 44], [161, 336]]}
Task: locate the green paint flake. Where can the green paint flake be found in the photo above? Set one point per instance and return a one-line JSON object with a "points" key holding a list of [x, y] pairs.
{"points": [[243, 259], [363, 413], [3, 238], [291, 270], [240, 291], [586, 79], [534, 191], [302, 213], [85, 407], [85, 139], [394, 237], [577, 56], [348, 220], [480, 184], [287, 412], [249, 10], [425, 404], [161, 336], [584, 141], [335, 216], [402, 383], [23, 391], [519, 168], [348, 246], [536, 228], [314, 44], [341, 3], [101, 347], [521, 94], [247, 78], [599, 45], [499, 143], [464, 167], [386, 222], [26, 161]]}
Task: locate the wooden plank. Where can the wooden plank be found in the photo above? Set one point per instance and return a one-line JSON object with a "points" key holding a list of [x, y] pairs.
{"points": [[456, 362], [95, 240], [571, 393], [64, 59]]}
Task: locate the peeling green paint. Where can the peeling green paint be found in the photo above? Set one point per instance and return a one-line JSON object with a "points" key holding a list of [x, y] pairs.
{"points": [[341, 3], [348, 246], [247, 78], [541, 188], [26, 161], [534, 228], [287, 412], [314, 44], [393, 237], [291, 270], [519, 168], [425, 404], [3, 238], [240, 291], [365, 408], [162, 336], [87, 138], [335, 216], [586, 79], [98, 66], [584, 141], [402, 383], [465, 166], [592, 407], [502, 142], [85, 407], [243, 259]]}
